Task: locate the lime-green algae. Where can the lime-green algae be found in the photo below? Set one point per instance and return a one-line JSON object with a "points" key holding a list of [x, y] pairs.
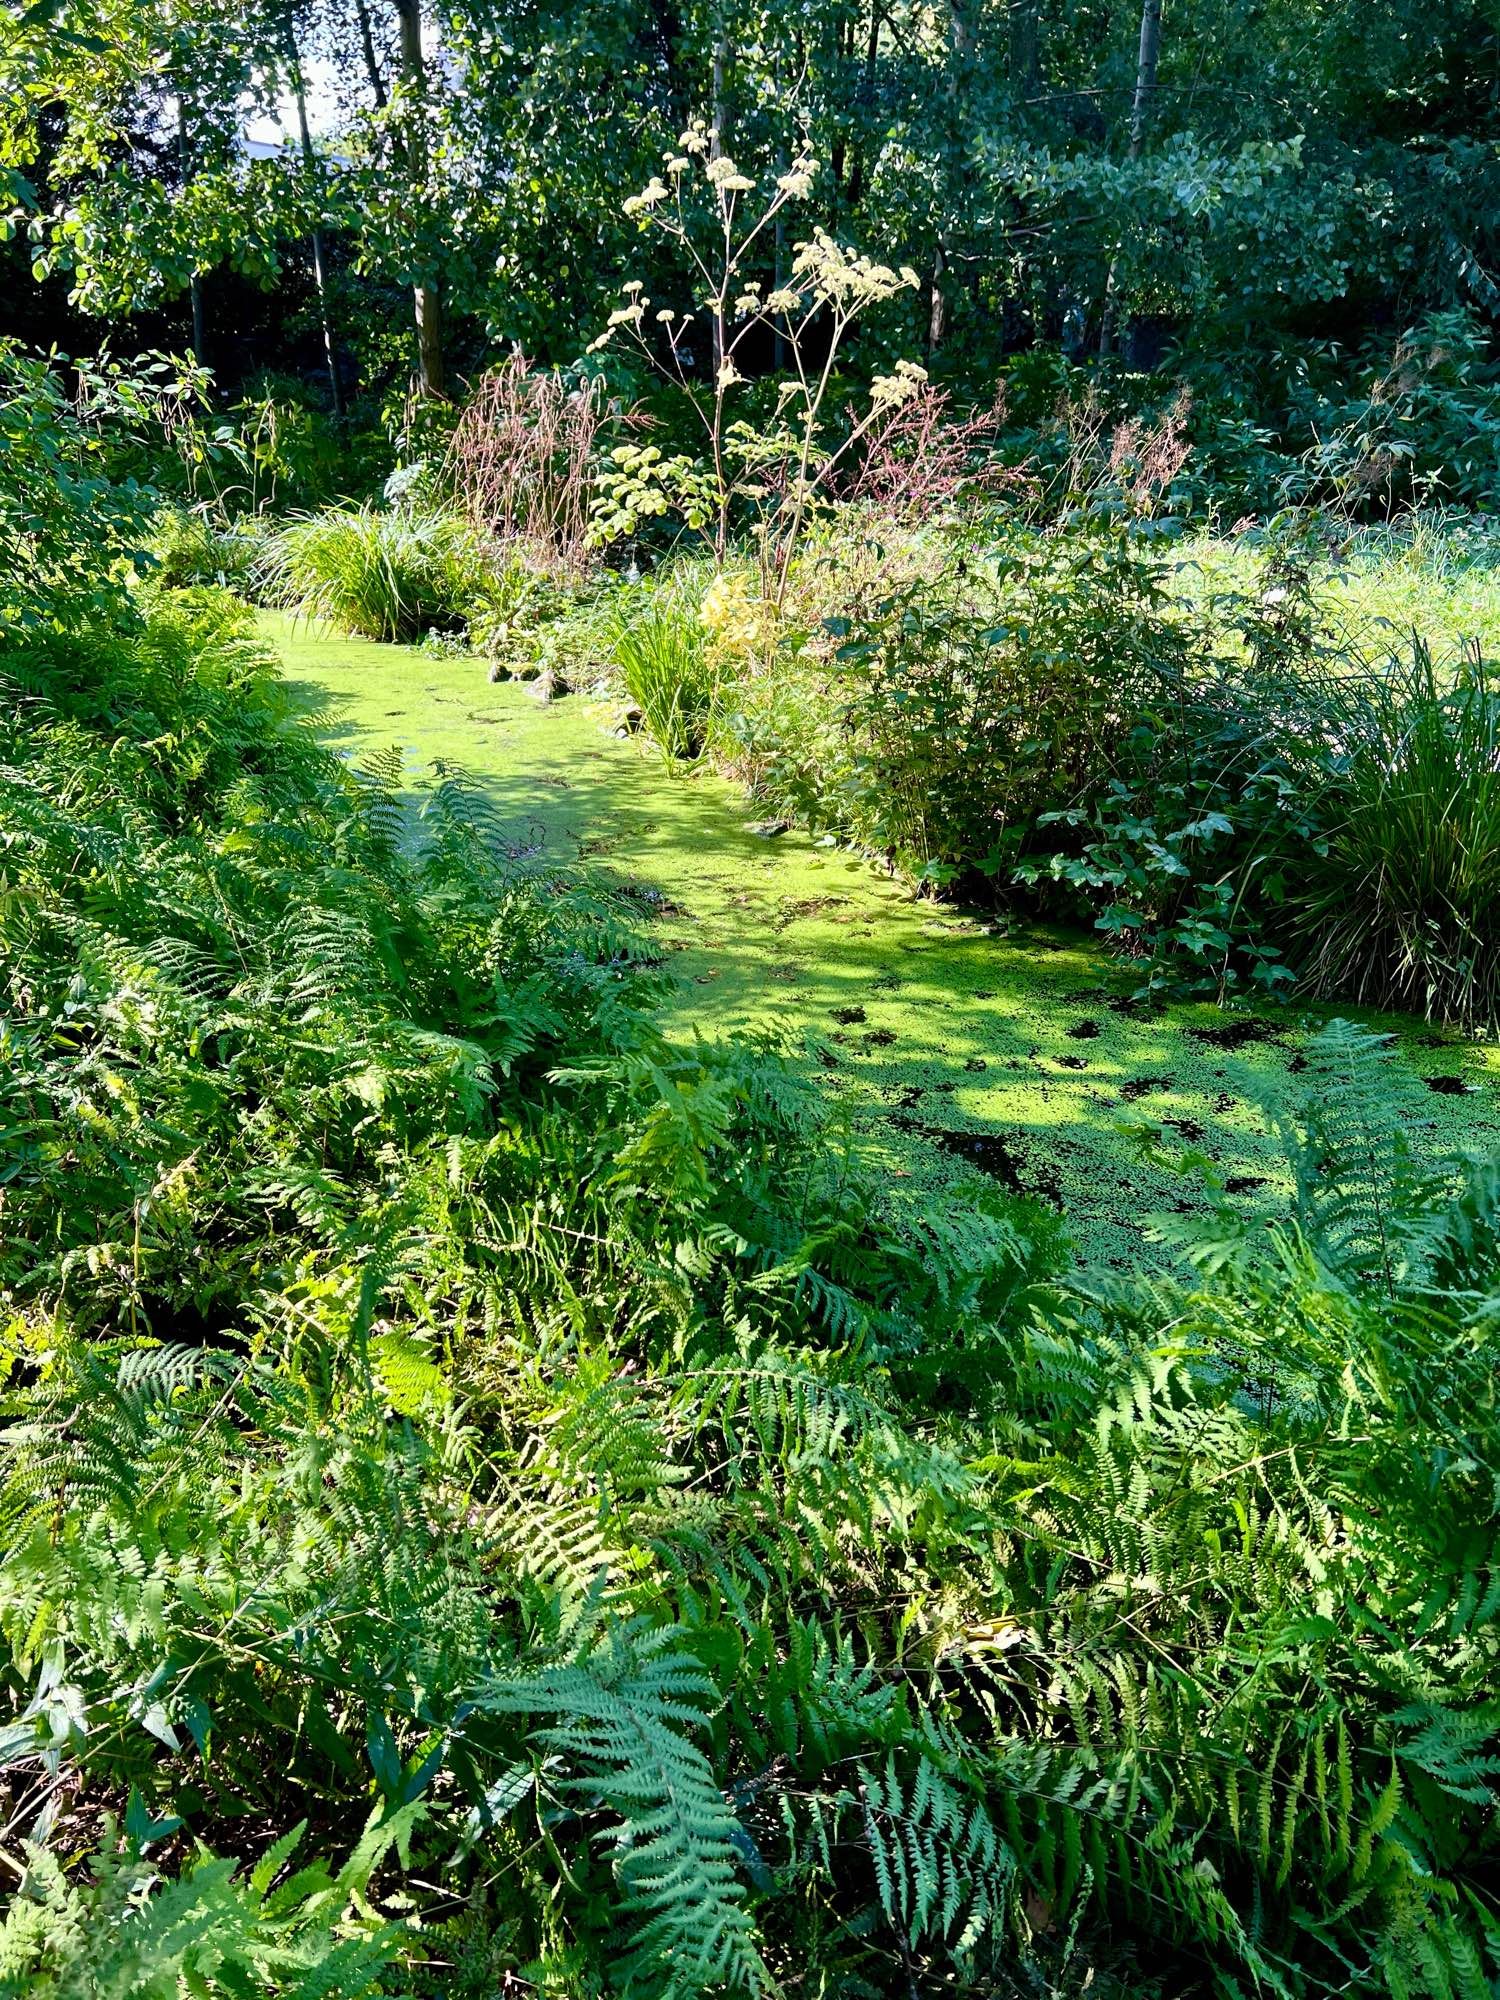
{"points": [[930, 1021]]}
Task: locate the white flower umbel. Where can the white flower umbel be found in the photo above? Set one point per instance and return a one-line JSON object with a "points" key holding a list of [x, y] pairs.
{"points": [[783, 471]]}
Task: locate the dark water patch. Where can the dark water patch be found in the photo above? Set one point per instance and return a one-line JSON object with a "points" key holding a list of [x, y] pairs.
{"points": [[879, 1038], [1185, 1128], [1244, 1183], [1002, 1159], [1072, 1062], [1085, 1031], [1238, 1033], [849, 1016], [1142, 1086], [1449, 1086], [1104, 996], [653, 902]]}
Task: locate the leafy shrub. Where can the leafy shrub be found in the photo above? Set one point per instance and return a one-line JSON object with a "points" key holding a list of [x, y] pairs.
{"points": [[188, 547], [68, 526], [511, 606], [1422, 428], [1215, 802], [662, 650], [293, 454], [1302, 812], [384, 575], [969, 706]]}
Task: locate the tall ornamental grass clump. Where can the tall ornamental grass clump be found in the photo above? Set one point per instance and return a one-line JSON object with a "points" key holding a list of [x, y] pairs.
{"points": [[662, 650], [381, 573], [1400, 904]]}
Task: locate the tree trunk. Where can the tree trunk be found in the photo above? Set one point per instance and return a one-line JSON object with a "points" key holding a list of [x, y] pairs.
{"points": [[195, 282], [960, 48], [668, 25], [427, 295], [865, 98], [1025, 50], [937, 311], [1147, 62], [719, 124], [372, 61], [320, 269], [1148, 58]]}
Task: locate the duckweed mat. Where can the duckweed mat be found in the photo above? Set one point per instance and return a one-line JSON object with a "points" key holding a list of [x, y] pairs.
{"points": [[952, 1048]]}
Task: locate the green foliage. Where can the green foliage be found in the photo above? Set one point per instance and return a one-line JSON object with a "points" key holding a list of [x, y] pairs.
{"points": [[1400, 905], [131, 1932], [425, 1384], [70, 525], [374, 1279], [293, 455], [428, 1389], [965, 707], [188, 548], [386, 574], [1420, 426], [1303, 811], [637, 484], [662, 651]]}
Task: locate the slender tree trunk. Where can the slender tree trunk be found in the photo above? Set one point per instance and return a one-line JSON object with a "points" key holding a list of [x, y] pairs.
{"points": [[1148, 59], [1147, 62], [200, 325], [865, 98], [937, 310], [669, 40], [839, 148], [779, 273], [960, 48], [718, 134], [195, 282], [372, 61], [320, 267], [427, 294], [1025, 50]]}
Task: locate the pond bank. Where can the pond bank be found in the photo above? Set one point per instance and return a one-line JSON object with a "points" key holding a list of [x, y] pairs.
{"points": [[953, 1047]]}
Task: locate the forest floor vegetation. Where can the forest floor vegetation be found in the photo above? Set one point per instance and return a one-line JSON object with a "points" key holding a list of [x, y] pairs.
{"points": [[723, 1300]]}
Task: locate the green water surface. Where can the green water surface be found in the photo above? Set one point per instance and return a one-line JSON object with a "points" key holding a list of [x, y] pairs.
{"points": [[952, 1047]]}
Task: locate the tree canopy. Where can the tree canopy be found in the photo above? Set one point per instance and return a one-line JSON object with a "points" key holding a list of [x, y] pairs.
{"points": [[1218, 175]]}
